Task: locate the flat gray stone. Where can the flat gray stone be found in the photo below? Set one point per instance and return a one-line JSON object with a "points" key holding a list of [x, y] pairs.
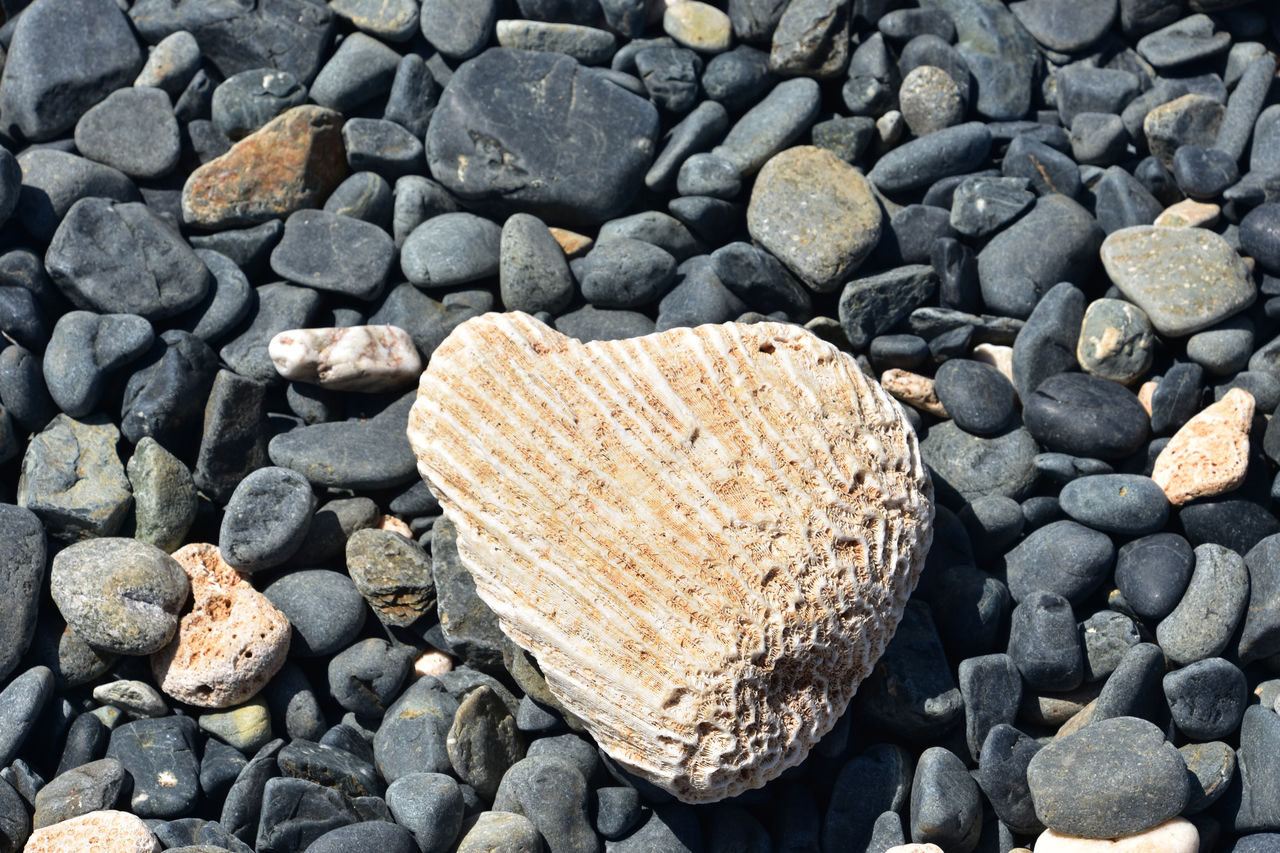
{"points": [[1185, 279]]}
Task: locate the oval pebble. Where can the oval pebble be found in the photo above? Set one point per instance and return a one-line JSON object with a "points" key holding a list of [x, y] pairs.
{"points": [[977, 396], [324, 608], [119, 595], [266, 519], [1127, 504], [1086, 416]]}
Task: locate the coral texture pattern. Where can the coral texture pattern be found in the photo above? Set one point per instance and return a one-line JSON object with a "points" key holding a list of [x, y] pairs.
{"points": [[705, 536]]}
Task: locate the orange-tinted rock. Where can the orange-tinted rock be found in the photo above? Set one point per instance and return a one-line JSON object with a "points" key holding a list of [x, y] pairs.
{"points": [[914, 390], [293, 162], [394, 524], [231, 642], [1210, 454], [100, 831], [1145, 393]]}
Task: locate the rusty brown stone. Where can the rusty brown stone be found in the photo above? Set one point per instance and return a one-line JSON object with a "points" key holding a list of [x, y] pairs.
{"points": [[1210, 454], [293, 162], [229, 644]]}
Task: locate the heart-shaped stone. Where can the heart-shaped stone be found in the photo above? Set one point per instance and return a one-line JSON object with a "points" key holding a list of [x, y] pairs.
{"points": [[705, 536]]}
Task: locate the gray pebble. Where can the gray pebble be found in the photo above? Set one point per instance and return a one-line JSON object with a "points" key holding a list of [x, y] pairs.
{"points": [[84, 350], [133, 130], [392, 573], [1111, 778], [625, 273], [266, 519], [359, 70], [430, 806], [73, 480], [324, 608], [119, 595], [772, 124], [337, 253], [1204, 620], [451, 249]]}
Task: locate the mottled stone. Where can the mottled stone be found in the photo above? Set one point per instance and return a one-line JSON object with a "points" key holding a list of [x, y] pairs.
{"points": [[293, 162], [231, 641], [1209, 455], [393, 573], [914, 390], [816, 213], [73, 480], [352, 358]]}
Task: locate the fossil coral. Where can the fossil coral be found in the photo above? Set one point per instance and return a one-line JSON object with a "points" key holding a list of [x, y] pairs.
{"points": [[705, 536]]}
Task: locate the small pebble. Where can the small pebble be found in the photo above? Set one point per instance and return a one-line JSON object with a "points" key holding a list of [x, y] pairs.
{"points": [[1210, 609], [1116, 341], [1126, 504]]}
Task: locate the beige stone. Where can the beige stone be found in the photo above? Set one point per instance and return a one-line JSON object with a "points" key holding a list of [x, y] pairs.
{"points": [[433, 662], [998, 356], [351, 358], [1178, 835], [573, 243], [705, 537], [914, 390], [395, 525], [915, 848], [1188, 213], [229, 644], [1210, 453], [699, 26], [1145, 394], [100, 832]]}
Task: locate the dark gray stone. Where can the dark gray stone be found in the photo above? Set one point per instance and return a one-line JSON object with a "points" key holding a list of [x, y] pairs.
{"points": [[624, 273], [952, 151], [246, 101], [946, 808], [483, 142], [133, 130], [64, 56], [234, 440], [328, 251], [1111, 778], [159, 754], [977, 396], [1153, 572], [451, 249], [287, 35], [1044, 643], [553, 795], [458, 28], [1085, 416], [966, 467], [912, 692], [361, 69], [297, 812], [53, 181], [1207, 698], [324, 607], [266, 519], [413, 732], [1056, 241], [1204, 620], [1063, 558], [358, 453], [22, 704], [1127, 504], [991, 686], [72, 478], [873, 305], [771, 125], [109, 256], [84, 349]]}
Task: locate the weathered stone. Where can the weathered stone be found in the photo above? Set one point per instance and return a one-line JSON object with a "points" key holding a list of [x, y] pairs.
{"points": [[1209, 455]]}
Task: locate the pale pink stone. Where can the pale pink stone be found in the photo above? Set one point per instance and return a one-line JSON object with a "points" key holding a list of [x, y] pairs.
{"points": [[1178, 835], [229, 644], [914, 390], [433, 662], [355, 358], [1210, 454], [100, 832], [998, 356], [1188, 213], [390, 522], [1146, 392], [915, 848]]}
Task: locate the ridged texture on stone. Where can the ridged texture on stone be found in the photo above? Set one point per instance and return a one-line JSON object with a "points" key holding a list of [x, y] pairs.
{"points": [[705, 536], [229, 644]]}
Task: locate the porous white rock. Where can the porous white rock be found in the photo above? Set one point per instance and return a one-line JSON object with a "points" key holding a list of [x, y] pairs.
{"points": [[704, 536], [352, 358]]}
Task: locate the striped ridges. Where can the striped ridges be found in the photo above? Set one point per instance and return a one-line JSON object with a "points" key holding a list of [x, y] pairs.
{"points": [[704, 536]]}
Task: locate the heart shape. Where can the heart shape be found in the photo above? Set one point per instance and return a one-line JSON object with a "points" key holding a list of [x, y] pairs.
{"points": [[704, 536]]}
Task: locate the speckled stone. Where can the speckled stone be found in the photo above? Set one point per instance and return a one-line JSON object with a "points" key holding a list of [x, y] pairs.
{"points": [[1185, 279], [816, 213], [1209, 455]]}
